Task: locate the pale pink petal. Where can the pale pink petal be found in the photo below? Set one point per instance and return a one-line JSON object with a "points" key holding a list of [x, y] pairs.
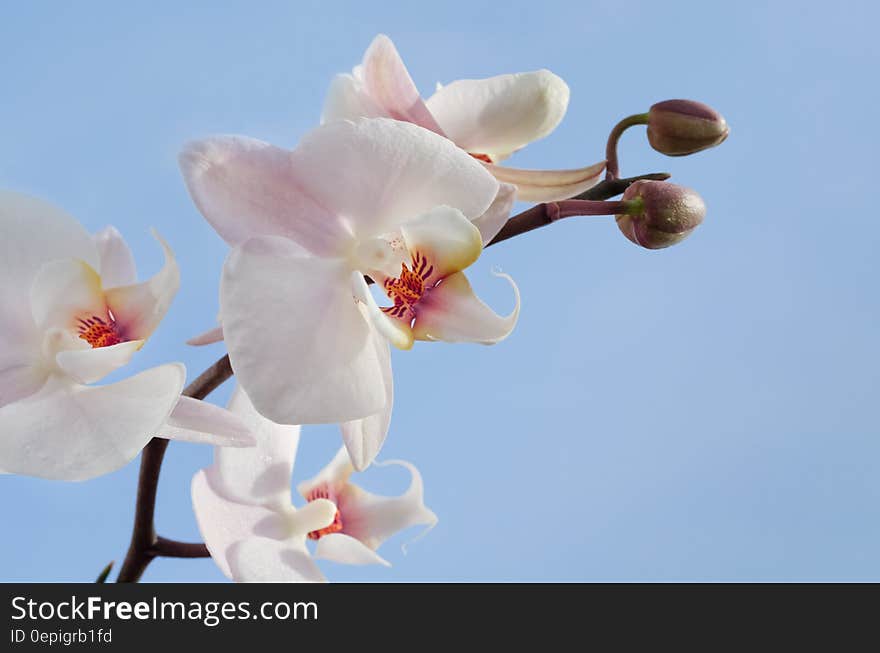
{"points": [[497, 214], [499, 115], [258, 475], [209, 337], [65, 290], [453, 313], [443, 241], [245, 187], [389, 85], [347, 99], [372, 519], [193, 420], [344, 549], [549, 185], [138, 309], [89, 365], [381, 173], [73, 432], [116, 265], [298, 342]]}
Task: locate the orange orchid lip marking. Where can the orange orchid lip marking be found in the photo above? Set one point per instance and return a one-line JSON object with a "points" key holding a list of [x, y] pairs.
{"points": [[407, 289], [321, 492], [481, 157], [99, 332]]}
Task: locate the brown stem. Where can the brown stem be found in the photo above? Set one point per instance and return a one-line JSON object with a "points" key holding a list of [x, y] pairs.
{"points": [[611, 167], [144, 544]]}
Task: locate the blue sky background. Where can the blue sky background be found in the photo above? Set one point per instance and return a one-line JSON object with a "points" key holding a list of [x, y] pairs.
{"points": [[705, 412]]}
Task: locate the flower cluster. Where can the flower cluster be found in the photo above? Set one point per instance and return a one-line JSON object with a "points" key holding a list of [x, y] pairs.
{"points": [[391, 191]]}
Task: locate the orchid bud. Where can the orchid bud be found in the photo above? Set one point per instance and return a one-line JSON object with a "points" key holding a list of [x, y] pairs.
{"points": [[680, 127], [659, 214]]}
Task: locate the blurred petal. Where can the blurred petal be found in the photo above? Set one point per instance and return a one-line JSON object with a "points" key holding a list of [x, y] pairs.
{"points": [[298, 342], [549, 185], [447, 241], [116, 265], [381, 173], [193, 420], [64, 290], [497, 214], [73, 432], [389, 85], [499, 115], [139, 308], [348, 100], [245, 188], [207, 338], [258, 475], [223, 522], [261, 560], [364, 437], [372, 519], [453, 313], [345, 549], [90, 365]]}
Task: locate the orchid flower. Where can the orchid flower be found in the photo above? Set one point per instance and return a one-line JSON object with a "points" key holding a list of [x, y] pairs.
{"points": [[307, 340], [71, 312], [254, 534], [489, 118]]}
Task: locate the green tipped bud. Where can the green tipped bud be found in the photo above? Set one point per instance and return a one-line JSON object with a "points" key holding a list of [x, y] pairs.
{"points": [[660, 214], [680, 127]]}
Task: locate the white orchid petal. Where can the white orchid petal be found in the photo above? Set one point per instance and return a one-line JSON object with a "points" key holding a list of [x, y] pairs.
{"points": [[22, 254], [193, 420], [446, 239], [344, 549], [397, 332], [298, 343], [334, 474], [245, 187], [91, 365], [74, 432], [64, 290], [209, 337], [372, 519], [19, 380], [262, 560], [380, 173], [117, 267], [549, 185], [347, 99], [258, 475], [390, 86], [139, 308], [453, 313], [496, 216], [223, 522], [499, 115]]}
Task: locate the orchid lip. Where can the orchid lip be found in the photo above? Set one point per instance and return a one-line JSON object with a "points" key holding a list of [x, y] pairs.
{"points": [[99, 332]]}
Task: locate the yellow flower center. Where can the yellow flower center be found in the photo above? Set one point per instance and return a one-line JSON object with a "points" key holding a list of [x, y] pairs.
{"points": [[99, 332], [407, 289]]}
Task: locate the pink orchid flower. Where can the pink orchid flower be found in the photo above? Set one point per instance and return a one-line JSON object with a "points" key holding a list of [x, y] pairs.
{"points": [[388, 199], [244, 509], [72, 312], [488, 118]]}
